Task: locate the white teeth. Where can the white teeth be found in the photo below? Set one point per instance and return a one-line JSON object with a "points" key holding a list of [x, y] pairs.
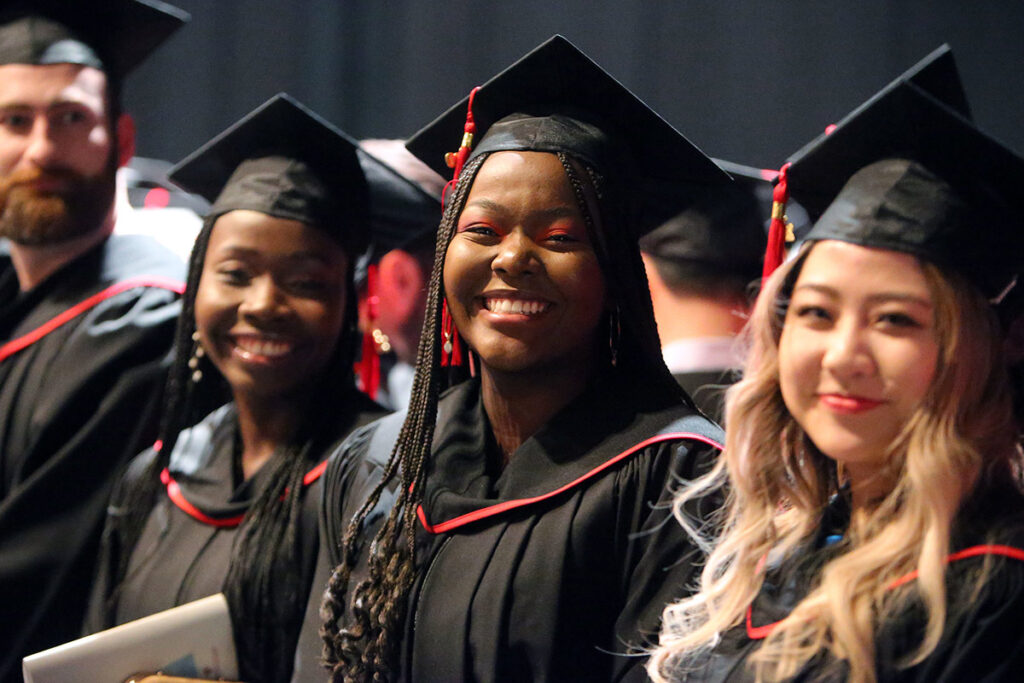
{"points": [[264, 347], [515, 306]]}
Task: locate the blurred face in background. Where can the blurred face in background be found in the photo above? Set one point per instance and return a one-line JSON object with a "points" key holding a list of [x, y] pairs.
{"points": [[58, 154]]}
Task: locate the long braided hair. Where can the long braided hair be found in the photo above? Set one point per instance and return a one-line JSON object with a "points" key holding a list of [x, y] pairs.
{"points": [[367, 648], [262, 573]]}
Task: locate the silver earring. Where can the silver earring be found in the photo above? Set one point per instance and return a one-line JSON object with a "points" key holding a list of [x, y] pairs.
{"points": [[197, 355]]}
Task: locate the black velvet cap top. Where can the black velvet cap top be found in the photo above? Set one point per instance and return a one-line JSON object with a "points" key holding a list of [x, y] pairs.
{"points": [[401, 211], [906, 172], [723, 226], [556, 99], [935, 75], [112, 35], [283, 160]]}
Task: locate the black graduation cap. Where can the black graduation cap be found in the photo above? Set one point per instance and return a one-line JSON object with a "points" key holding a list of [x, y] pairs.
{"points": [[722, 227], [284, 160], [112, 35], [936, 74], [556, 99], [401, 211], [906, 172]]}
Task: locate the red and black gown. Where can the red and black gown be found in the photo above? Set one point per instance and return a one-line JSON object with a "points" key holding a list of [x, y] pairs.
{"points": [[185, 549], [557, 566], [983, 639], [83, 360]]}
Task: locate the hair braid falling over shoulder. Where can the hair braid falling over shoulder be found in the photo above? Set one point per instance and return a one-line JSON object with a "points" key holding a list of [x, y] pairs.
{"points": [[176, 416], [366, 648], [258, 582]]}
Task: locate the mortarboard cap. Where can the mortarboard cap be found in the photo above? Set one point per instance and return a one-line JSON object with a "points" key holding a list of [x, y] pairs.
{"points": [[401, 211], [556, 99], [906, 172], [722, 227], [112, 35], [283, 160]]}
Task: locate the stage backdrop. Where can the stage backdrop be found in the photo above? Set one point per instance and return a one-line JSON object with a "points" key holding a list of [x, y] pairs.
{"points": [[747, 80]]}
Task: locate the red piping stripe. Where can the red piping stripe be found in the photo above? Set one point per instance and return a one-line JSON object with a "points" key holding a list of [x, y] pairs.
{"points": [[314, 474], [759, 632], [15, 345], [499, 508], [179, 499]]}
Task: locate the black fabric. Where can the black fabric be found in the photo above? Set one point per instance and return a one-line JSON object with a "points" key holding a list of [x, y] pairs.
{"points": [[955, 205], [74, 407], [112, 35], [559, 589], [983, 638], [178, 558], [721, 229], [556, 99], [707, 389], [401, 211], [284, 160]]}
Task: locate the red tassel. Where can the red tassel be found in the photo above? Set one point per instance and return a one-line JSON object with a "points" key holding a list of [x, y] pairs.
{"points": [[775, 253], [458, 159], [368, 367], [451, 345]]}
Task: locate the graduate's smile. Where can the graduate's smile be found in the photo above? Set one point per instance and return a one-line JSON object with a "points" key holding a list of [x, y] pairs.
{"points": [[270, 303], [262, 349], [521, 277], [508, 305], [857, 354]]}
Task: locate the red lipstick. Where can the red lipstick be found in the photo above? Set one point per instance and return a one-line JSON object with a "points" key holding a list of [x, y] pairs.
{"points": [[848, 405]]}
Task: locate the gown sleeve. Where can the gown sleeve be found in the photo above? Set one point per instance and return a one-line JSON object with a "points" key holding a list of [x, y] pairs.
{"points": [[94, 399], [662, 561], [98, 613], [352, 472], [984, 638]]}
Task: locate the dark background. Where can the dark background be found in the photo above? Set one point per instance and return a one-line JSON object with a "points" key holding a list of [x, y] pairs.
{"points": [[746, 80]]}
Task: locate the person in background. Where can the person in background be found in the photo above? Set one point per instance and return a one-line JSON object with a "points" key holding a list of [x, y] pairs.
{"points": [[530, 536], [875, 525], [148, 203], [266, 340], [86, 318], [405, 208], [701, 266]]}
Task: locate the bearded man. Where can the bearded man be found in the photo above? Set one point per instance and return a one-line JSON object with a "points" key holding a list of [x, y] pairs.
{"points": [[86, 318]]}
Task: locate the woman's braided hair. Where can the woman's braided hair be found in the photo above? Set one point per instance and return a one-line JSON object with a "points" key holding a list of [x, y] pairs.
{"points": [[367, 646], [258, 582]]}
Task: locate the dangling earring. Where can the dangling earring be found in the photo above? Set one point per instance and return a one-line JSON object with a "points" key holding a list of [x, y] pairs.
{"points": [[451, 345], [614, 333], [197, 355]]}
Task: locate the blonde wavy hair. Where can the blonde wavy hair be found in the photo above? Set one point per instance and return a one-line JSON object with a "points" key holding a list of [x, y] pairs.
{"points": [[777, 486]]}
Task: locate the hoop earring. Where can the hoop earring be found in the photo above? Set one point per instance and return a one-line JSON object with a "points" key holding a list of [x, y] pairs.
{"points": [[197, 355]]}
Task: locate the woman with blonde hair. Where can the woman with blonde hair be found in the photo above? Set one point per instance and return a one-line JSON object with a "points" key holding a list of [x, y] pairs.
{"points": [[874, 523]]}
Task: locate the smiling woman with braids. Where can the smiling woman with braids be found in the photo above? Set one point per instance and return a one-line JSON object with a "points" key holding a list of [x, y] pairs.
{"points": [[268, 323], [875, 523], [528, 537]]}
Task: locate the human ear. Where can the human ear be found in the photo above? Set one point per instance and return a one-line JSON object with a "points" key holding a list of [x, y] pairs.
{"points": [[125, 132]]}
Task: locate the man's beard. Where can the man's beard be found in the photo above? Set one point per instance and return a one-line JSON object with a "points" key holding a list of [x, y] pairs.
{"points": [[35, 218]]}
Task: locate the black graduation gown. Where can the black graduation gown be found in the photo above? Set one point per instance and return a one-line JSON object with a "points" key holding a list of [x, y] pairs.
{"points": [[707, 388], [555, 567], [184, 551], [983, 639], [82, 362]]}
